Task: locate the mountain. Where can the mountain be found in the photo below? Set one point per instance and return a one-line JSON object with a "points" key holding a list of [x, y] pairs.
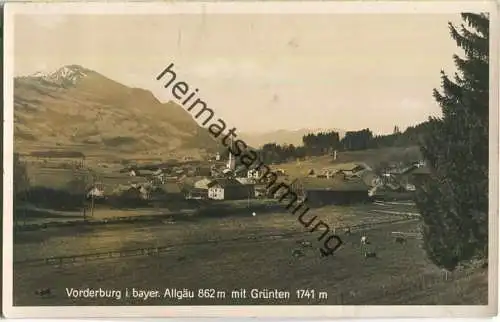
{"points": [[80, 109], [282, 136]]}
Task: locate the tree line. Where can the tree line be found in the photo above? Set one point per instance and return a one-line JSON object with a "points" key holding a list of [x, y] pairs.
{"points": [[325, 143]]}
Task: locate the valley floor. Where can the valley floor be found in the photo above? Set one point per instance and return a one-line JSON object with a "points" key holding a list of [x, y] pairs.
{"points": [[244, 252]]}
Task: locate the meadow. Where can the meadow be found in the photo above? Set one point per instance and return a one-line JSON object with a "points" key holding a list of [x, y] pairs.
{"points": [[239, 256]]}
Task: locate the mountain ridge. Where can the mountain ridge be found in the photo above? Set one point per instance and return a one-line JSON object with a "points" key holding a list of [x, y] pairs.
{"points": [[78, 107]]}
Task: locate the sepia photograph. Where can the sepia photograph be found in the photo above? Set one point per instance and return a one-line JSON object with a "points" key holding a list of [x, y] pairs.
{"points": [[231, 159]]}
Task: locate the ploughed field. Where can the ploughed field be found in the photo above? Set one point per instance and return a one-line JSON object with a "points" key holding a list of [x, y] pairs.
{"points": [[223, 255]]}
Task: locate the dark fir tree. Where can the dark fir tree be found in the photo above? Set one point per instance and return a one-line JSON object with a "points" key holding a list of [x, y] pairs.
{"points": [[453, 200]]}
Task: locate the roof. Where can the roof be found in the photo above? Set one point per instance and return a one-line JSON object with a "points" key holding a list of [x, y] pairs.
{"points": [[245, 181], [345, 166], [203, 182], [136, 180], [254, 166], [332, 184], [241, 168], [224, 182], [146, 171], [197, 190]]}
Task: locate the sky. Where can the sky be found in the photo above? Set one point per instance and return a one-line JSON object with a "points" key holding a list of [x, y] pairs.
{"points": [[261, 72]]}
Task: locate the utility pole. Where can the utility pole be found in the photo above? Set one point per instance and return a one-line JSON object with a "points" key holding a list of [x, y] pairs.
{"points": [[92, 201]]}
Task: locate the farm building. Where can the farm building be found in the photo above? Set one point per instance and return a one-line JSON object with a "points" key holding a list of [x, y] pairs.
{"points": [[246, 180], [262, 191], [324, 192], [96, 191], [197, 193], [349, 169], [147, 173], [411, 175], [128, 192], [420, 173], [241, 171], [229, 189], [202, 171]]}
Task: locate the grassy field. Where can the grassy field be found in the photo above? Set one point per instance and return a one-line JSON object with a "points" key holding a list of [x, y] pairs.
{"points": [[233, 261], [372, 157]]}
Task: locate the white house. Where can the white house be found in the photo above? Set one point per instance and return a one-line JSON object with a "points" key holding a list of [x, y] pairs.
{"points": [[216, 193], [96, 192], [229, 189]]}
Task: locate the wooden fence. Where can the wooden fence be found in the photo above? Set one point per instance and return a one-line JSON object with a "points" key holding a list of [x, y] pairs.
{"points": [[157, 250]]}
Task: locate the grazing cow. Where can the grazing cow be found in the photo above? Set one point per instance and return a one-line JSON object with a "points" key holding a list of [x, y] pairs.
{"points": [[400, 240], [297, 253], [305, 243], [43, 292], [370, 254]]}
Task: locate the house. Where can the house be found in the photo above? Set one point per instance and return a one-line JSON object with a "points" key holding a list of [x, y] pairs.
{"points": [[137, 181], [96, 191], [128, 192], [241, 171], [409, 176], [261, 191], [197, 194], [158, 179], [147, 173], [419, 174], [246, 180], [170, 179], [319, 192], [179, 171], [203, 171], [229, 189], [349, 169], [280, 172], [145, 192]]}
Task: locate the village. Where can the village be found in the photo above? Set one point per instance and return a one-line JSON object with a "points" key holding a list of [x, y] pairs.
{"points": [[217, 179]]}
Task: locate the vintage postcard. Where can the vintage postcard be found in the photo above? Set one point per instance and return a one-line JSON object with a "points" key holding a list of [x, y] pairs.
{"points": [[293, 159]]}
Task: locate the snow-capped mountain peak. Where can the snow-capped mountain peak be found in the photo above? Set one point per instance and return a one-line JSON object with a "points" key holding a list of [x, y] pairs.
{"points": [[69, 74]]}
